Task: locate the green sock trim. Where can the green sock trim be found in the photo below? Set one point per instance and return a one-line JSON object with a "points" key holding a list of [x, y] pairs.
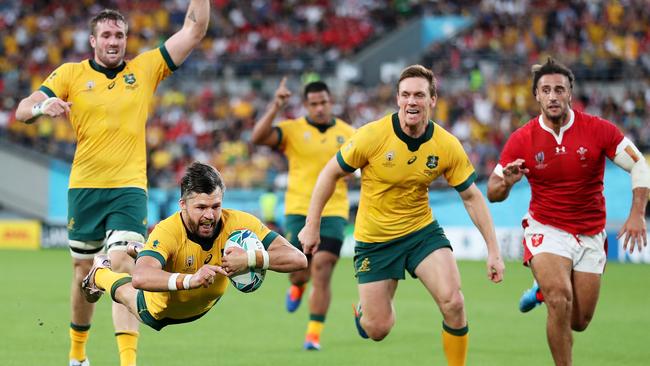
{"points": [[80, 328], [117, 284], [317, 318], [457, 332]]}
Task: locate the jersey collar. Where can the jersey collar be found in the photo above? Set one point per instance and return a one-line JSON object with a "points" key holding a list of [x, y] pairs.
{"points": [[412, 143], [205, 243], [558, 138], [110, 73], [321, 128]]}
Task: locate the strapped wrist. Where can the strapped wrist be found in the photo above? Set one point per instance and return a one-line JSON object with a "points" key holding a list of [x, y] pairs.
{"points": [[252, 258], [171, 282]]}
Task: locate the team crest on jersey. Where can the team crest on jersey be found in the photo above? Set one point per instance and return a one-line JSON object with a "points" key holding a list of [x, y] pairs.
{"points": [[539, 158], [129, 78], [390, 156], [432, 161], [340, 140], [189, 261], [582, 152], [537, 239]]}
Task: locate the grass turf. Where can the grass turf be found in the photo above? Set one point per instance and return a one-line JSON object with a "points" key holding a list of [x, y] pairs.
{"points": [[244, 329]]}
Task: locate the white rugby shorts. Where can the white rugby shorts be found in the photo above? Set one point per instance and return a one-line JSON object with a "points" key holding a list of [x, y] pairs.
{"points": [[588, 252]]}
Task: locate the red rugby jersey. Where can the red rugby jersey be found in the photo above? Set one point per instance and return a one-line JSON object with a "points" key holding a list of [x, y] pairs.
{"points": [[566, 170]]}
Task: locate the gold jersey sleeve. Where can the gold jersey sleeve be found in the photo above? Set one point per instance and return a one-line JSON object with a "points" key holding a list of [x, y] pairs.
{"points": [[170, 245], [308, 149], [108, 114], [396, 172]]}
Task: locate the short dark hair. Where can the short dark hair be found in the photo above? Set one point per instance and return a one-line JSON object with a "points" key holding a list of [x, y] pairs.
{"points": [[200, 178], [107, 14], [316, 87], [550, 67], [419, 71]]}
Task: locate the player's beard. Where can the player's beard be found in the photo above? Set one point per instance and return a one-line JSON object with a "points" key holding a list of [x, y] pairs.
{"points": [[201, 229], [557, 118]]}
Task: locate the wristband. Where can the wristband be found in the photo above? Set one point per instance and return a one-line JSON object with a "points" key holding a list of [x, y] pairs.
{"points": [[186, 282], [38, 108], [171, 282], [252, 258], [265, 255]]}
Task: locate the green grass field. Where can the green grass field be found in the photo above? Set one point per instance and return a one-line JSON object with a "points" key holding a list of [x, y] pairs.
{"points": [[246, 329]]}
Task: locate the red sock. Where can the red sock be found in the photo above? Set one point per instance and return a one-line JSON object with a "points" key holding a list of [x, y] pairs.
{"points": [[539, 296], [296, 292]]}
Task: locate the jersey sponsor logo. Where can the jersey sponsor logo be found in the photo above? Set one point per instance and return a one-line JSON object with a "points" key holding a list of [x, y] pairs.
{"points": [[582, 152], [52, 76], [208, 258], [111, 85], [537, 239], [560, 150], [539, 158], [155, 243], [306, 136], [90, 84], [412, 160], [432, 161], [365, 265]]}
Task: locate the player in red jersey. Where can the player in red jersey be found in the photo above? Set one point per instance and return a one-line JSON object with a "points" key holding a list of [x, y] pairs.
{"points": [[562, 154]]}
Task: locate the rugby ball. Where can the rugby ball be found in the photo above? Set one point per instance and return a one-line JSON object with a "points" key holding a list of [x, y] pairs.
{"points": [[251, 280]]}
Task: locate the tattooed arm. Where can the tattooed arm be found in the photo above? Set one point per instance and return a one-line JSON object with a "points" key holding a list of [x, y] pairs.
{"points": [[182, 42]]}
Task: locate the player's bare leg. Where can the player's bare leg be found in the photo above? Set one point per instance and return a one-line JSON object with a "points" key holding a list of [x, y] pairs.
{"points": [[586, 289], [322, 266], [553, 274], [377, 307], [82, 311], [125, 323], [439, 274]]}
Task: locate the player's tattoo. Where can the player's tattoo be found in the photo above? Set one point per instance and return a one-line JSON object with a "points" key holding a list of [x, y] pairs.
{"points": [[191, 16]]}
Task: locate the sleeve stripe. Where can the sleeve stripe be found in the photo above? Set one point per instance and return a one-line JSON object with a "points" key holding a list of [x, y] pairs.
{"points": [[468, 182], [154, 254], [47, 91], [343, 164], [168, 59], [268, 239]]}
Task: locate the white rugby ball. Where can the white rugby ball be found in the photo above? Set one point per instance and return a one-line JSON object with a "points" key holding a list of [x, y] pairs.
{"points": [[251, 280]]}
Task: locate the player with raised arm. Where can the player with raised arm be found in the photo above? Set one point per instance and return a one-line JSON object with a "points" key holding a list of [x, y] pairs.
{"points": [[308, 143], [107, 100]]}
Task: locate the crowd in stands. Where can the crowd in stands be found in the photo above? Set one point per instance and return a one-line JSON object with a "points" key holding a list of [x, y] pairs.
{"points": [[213, 124]]}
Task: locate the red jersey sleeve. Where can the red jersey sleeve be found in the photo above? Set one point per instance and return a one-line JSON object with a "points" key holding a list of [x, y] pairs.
{"points": [[609, 136]]}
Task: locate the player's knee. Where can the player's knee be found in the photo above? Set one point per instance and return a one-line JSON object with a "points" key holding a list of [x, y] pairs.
{"points": [[558, 300], [453, 304], [378, 330]]}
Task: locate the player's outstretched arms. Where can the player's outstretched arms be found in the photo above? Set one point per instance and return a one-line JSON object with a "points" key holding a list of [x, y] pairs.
{"points": [[148, 275], [284, 257], [503, 178], [38, 104], [181, 43]]}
